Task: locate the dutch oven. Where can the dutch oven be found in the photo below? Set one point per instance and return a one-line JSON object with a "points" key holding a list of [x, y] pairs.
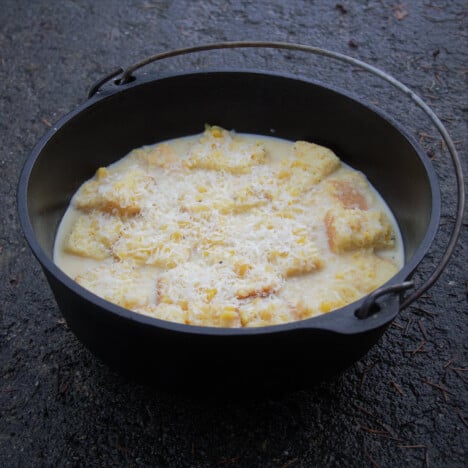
{"points": [[124, 113]]}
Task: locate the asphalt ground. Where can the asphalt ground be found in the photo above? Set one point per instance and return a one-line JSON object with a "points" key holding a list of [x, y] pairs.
{"points": [[403, 404]]}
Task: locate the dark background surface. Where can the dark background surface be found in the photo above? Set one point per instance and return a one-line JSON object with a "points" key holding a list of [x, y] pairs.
{"points": [[404, 404]]}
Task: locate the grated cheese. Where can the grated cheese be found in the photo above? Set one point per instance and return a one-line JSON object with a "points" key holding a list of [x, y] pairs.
{"points": [[229, 230]]}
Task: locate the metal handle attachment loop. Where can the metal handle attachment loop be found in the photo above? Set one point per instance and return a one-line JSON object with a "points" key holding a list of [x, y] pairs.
{"points": [[95, 87]]}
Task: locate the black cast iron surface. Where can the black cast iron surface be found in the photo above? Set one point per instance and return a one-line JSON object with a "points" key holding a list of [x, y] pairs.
{"points": [[404, 404]]}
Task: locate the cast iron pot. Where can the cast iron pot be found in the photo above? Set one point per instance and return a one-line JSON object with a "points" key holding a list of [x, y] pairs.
{"points": [[145, 111]]}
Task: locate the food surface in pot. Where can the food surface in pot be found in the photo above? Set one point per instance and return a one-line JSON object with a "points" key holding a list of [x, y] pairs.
{"points": [[229, 230]]}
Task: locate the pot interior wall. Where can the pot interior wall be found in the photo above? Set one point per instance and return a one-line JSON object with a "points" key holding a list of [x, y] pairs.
{"points": [[247, 102]]}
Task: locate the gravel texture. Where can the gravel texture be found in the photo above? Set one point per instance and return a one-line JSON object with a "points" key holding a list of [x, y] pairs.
{"points": [[404, 404]]}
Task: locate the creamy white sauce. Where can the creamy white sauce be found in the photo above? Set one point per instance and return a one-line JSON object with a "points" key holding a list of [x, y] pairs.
{"points": [[309, 288]]}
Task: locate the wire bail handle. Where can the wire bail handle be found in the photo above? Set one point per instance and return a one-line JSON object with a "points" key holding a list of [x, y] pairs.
{"points": [[365, 309]]}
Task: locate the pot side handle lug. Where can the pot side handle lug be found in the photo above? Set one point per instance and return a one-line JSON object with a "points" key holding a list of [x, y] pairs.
{"points": [[368, 306]]}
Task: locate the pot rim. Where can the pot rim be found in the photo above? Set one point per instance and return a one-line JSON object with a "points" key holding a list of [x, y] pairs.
{"points": [[326, 322]]}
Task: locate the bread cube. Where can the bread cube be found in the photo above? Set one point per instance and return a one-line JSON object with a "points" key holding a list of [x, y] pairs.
{"points": [[205, 292], [113, 192], [118, 282], [365, 271], [213, 315], [243, 200], [301, 257], [351, 190], [93, 235], [350, 229], [262, 312], [163, 246], [256, 279], [156, 156], [218, 150], [309, 165]]}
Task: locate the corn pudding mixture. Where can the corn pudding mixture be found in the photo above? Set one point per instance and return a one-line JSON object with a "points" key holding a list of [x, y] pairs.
{"points": [[229, 230]]}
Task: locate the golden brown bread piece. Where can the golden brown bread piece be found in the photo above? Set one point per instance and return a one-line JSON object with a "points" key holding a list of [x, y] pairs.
{"points": [[309, 165], [161, 155], [93, 235], [262, 312], [120, 283], [350, 229], [218, 150], [114, 192]]}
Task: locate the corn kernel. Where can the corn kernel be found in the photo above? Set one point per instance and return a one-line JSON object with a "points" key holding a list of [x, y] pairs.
{"points": [[101, 173], [176, 236], [228, 315], [295, 192], [326, 306], [210, 293], [165, 299], [216, 132], [183, 304], [242, 268], [265, 315]]}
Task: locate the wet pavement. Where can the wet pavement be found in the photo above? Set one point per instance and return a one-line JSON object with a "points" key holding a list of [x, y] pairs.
{"points": [[403, 404]]}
